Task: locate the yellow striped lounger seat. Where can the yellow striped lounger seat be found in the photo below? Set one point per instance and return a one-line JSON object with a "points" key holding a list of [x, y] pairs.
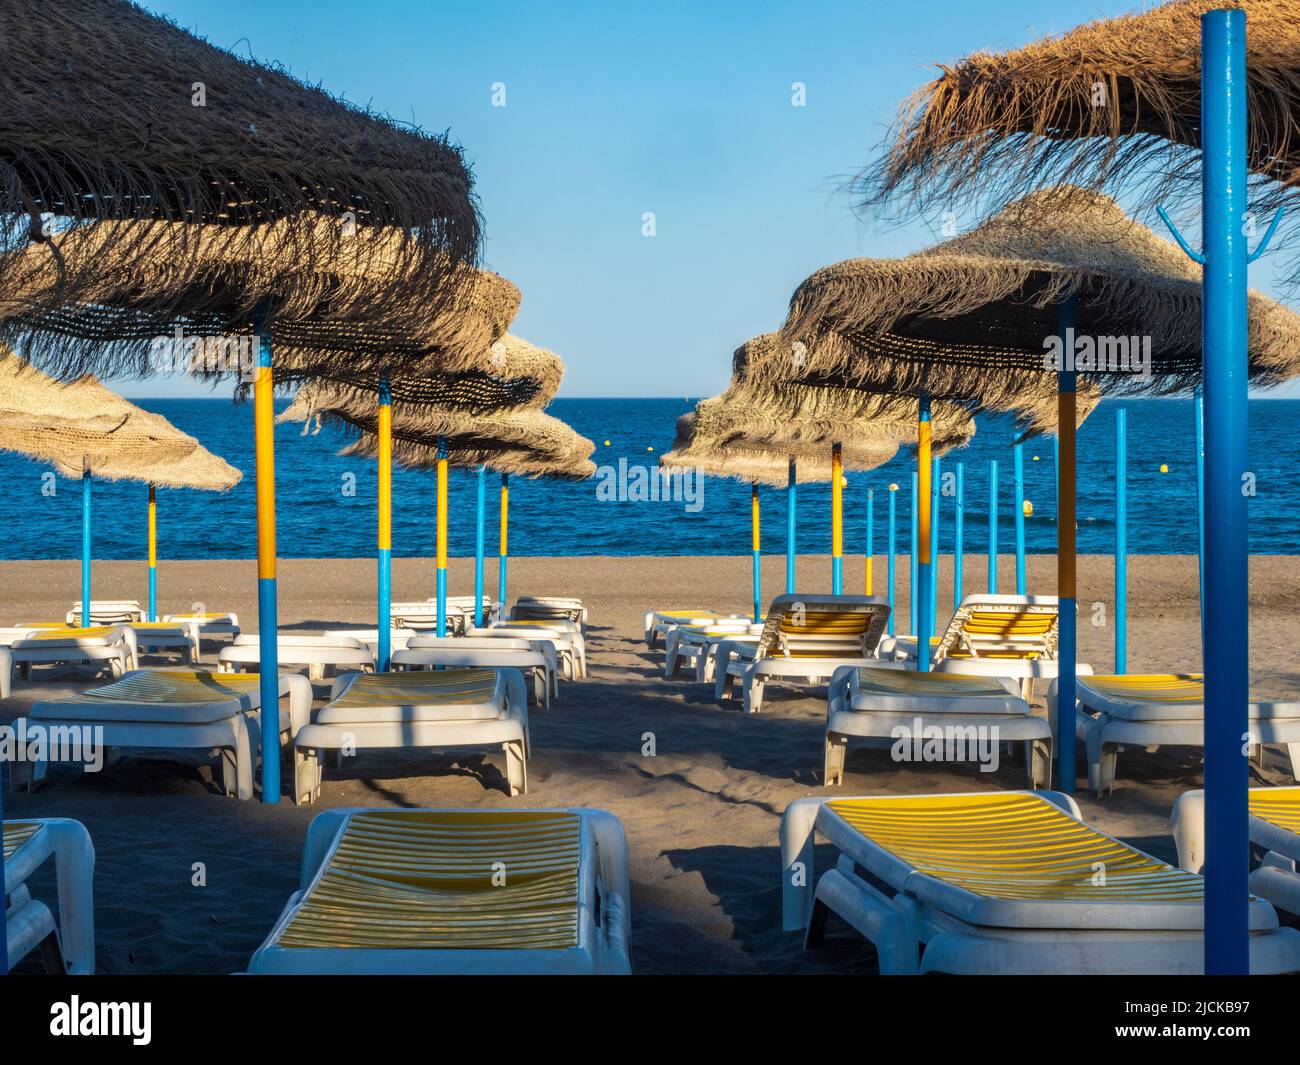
{"points": [[454, 891], [1005, 882]]}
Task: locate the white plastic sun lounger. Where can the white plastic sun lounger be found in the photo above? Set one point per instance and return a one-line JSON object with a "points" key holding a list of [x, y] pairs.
{"points": [[422, 616], [1002, 883], [696, 646], [178, 709], [105, 612], [550, 608], [993, 636], [658, 622], [111, 646], [1274, 826], [1162, 710], [67, 946], [457, 892], [10, 633], [464, 605], [536, 658], [805, 638], [316, 654], [446, 710], [177, 637], [884, 706], [569, 644], [211, 623], [369, 638]]}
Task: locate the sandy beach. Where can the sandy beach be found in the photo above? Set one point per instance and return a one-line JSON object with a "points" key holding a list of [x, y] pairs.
{"points": [[701, 815]]}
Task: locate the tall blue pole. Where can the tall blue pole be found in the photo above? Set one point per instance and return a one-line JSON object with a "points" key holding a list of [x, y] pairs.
{"points": [[927, 490], [889, 575], [440, 585], [384, 513], [1199, 401], [1227, 620], [789, 529], [1121, 541], [480, 534], [871, 543], [913, 598], [504, 557], [85, 546], [756, 546], [958, 537], [1019, 475], [993, 527], [1066, 534]]}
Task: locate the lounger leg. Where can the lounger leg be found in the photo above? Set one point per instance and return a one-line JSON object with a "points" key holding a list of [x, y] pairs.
{"points": [[797, 862], [1038, 754], [837, 748], [243, 760], [1293, 753], [753, 693], [74, 867], [1187, 820], [516, 767], [306, 776]]}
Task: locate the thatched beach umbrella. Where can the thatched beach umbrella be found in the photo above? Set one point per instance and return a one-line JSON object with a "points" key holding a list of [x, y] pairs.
{"points": [[100, 125], [1242, 117], [790, 433], [102, 130], [87, 431], [520, 440], [1112, 104]]}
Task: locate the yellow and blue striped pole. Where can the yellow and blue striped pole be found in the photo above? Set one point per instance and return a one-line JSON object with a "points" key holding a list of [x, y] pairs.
{"points": [[267, 625], [505, 525], [1067, 316], [921, 587], [480, 519], [442, 537], [756, 545], [790, 550], [837, 520], [153, 554], [871, 542], [384, 433]]}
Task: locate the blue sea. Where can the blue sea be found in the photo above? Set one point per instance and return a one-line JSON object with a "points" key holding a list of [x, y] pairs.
{"points": [[318, 517]]}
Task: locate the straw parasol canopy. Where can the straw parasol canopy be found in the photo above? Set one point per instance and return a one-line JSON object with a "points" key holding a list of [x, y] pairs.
{"points": [[751, 432], [974, 318], [83, 428], [327, 312], [99, 126], [522, 440], [1113, 103]]}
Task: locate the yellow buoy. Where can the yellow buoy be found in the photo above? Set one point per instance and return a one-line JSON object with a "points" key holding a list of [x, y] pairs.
{"points": [[1035, 458], [649, 449], [844, 482], [1164, 468], [893, 488], [1029, 509], [607, 443]]}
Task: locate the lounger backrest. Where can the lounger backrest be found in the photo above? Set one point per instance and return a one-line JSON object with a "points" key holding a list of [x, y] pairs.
{"points": [[16, 833], [823, 626], [542, 611], [1002, 626]]}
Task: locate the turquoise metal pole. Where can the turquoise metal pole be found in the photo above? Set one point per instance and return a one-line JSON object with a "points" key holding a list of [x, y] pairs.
{"points": [[85, 545], [993, 527], [505, 549], [913, 600], [1019, 475], [932, 611], [480, 534], [1227, 580], [790, 549], [1199, 401], [889, 574], [440, 586], [384, 537], [756, 547], [958, 538], [1121, 541], [1067, 314]]}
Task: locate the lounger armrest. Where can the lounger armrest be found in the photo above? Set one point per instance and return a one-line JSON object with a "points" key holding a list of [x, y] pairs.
{"points": [[321, 834], [298, 689], [611, 843], [6, 671], [797, 877]]}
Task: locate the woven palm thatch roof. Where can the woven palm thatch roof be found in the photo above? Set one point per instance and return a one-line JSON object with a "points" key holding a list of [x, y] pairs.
{"points": [[81, 426], [1112, 103], [523, 440], [973, 318], [114, 114], [328, 312]]}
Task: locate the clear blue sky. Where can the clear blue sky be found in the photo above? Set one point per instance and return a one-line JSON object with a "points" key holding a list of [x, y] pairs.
{"points": [[614, 109]]}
